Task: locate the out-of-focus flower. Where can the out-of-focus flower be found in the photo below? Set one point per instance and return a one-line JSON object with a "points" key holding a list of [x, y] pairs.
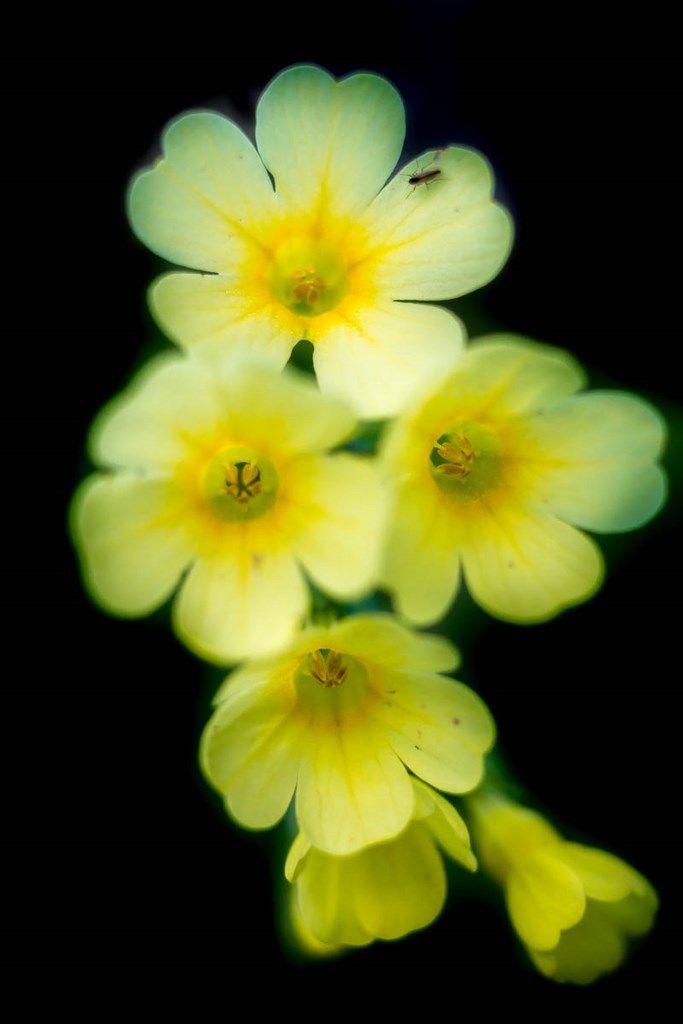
{"points": [[574, 907], [340, 717], [323, 256], [493, 471], [383, 891], [219, 470]]}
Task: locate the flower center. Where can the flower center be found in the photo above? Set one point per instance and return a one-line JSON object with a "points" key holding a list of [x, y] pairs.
{"points": [[327, 668], [466, 461], [308, 275], [239, 484]]}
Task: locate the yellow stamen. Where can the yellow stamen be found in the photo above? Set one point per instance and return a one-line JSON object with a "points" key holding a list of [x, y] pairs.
{"points": [[459, 457], [242, 481], [328, 671]]}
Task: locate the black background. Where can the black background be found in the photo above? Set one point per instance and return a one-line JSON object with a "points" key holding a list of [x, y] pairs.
{"points": [[119, 857]]}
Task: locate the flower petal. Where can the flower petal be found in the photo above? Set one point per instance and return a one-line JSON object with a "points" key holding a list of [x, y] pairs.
{"points": [[604, 876], [131, 541], [148, 425], [200, 205], [525, 566], [240, 606], [422, 558], [521, 375], [399, 886], [378, 356], [601, 449], [382, 641], [544, 897], [205, 309], [438, 727], [340, 547], [353, 790], [590, 949], [323, 896], [249, 753], [446, 826], [329, 143], [441, 239]]}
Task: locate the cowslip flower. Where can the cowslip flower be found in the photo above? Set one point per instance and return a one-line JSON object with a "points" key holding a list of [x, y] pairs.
{"points": [[220, 470], [339, 718], [574, 907], [493, 470], [326, 254], [384, 891]]}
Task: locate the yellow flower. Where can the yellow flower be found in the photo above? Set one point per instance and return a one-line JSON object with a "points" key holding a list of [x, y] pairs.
{"points": [[340, 717], [220, 470], [494, 469], [323, 256], [574, 907], [383, 891]]}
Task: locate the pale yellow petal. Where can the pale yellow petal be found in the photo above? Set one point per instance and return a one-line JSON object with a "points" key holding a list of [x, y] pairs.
{"points": [[525, 566], [600, 450], [544, 897], [345, 516], [240, 606], [353, 790], [249, 754], [207, 309], [593, 947], [441, 239], [422, 556], [296, 857], [323, 898], [381, 355], [517, 374], [604, 876], [329, 145], [382, 641], [445, 825], [148, 425], [200, 204], [438, 727], [130, 536], [399, 886]]}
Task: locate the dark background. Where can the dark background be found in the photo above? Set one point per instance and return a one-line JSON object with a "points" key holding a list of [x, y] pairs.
{"points": [[119, 856]]}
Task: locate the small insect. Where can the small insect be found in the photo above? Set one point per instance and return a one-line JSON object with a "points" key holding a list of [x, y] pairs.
{"points": [[426, 174]]}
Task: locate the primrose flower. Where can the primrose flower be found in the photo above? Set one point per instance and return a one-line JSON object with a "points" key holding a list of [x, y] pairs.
{"points": [[383, 891], [326, 254], [339, 718], [219, 470], [493, 471], [574, 907]]}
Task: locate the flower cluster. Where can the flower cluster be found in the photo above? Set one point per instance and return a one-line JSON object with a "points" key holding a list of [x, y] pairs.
{"points": [[236, 486]]}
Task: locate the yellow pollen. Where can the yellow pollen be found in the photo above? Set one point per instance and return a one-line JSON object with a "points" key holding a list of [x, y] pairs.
{"points": [[308, 286], [328, 671], [459, 457], [242, 481]]}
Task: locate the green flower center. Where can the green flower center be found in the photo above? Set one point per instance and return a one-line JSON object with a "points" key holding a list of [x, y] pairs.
{"points": [[308, 276], [329, 681], [239, 484], [466, 461]]}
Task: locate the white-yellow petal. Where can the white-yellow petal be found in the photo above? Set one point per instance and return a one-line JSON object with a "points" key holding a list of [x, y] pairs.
{"points": [[352, 790], [517, 374], [240, 605], [381, 355], [329, 145], [383, 641], [601, 449], [445, 825], [441, 239], [544, 897], [207, 309], [526, 566], [130, 535], [593, 947], [200, 205], [438, 727], [422, 556], [341, 545]]}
